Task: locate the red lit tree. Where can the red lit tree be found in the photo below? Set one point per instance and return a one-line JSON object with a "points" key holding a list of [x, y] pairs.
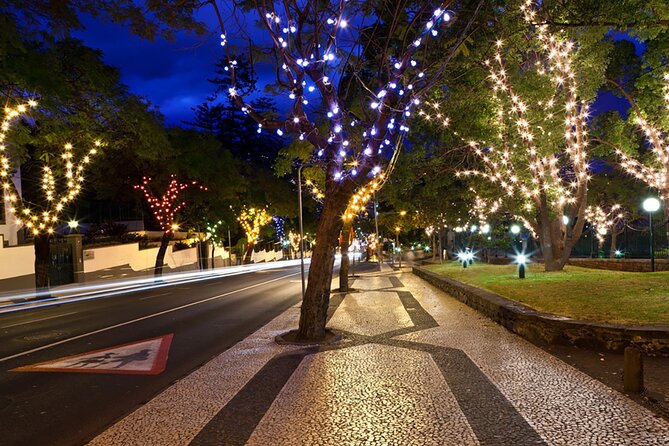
{"points": [[165, 209]]}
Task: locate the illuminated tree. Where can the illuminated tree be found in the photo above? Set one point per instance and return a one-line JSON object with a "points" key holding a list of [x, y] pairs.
{"points": [[59, 187], [164, 210], [654, 169], [539, 155], [364, 70], [252, 221], [604, 221]]}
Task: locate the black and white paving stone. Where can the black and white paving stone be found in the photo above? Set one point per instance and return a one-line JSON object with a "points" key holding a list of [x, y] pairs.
{"points": [[415, 367]]}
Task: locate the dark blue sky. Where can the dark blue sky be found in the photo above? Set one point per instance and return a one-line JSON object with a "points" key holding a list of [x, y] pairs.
{"points": [[173, 75]]}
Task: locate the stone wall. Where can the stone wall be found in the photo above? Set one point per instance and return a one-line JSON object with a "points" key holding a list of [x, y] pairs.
{"points": [[631, 265], [544, 327]]}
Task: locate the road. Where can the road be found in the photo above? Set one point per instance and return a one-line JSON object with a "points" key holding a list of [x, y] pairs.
{"points": [[65, 408]]}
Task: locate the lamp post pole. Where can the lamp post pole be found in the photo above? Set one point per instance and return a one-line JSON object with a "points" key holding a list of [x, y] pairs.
{"points": [[399, 249], [299, 212], [651, 205], [652, 243], [376, 224]]}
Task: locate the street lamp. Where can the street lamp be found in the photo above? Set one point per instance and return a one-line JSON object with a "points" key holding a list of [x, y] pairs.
{"points": [[651, 205], [515, 229]]}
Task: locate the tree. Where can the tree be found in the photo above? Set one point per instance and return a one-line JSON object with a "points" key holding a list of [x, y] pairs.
{"points": [[164, 210], [252, 221], [604, 220], [59, 187], [345, 64], [539, 160]]}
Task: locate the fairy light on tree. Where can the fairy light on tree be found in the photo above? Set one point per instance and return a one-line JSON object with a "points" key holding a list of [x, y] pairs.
{"points": [[539, 159], [606, 221], [654, 170], [165, 209], [40, 218], [318, 46], [252, 221]]}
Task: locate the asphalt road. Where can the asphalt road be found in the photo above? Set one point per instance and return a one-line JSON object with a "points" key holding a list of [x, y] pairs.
{"points": [[205, 318]]}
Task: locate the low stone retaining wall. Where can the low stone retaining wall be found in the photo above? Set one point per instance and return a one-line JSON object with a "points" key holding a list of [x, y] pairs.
{"points": [[537, 326], [630, 265]]}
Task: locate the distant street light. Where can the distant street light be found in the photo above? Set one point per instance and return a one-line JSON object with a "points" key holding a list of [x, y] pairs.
{"points": [[73, 224], [565, 219], [485, 229], [515, 229], [651, 205]]}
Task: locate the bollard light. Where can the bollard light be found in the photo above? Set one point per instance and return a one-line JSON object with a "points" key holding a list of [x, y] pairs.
{"points": [[521, 260]]}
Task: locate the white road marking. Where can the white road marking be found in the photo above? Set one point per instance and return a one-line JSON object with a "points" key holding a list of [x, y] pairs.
{"points": [[122, 324], [37, 320], [155, 295]]}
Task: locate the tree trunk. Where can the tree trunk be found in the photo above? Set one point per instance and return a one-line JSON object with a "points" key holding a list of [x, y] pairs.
{"points": [[434, 246], [313, 313], [343, 268], [41, 243], [248, 253], [614, 243], [160, 258], [213, 250]]}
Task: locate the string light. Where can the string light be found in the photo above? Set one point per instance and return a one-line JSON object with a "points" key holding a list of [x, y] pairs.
{"points": [[307, 66], [41, 219], [604, 220], [515, 163], [166, 207], [252, 221], [654, 177]]}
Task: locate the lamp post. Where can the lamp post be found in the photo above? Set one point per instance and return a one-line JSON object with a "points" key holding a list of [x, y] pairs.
{"points": [[397, 243], [651, 205], [299, 214], [378, 236]]}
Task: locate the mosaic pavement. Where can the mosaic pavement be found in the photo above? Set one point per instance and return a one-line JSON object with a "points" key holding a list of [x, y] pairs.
{"points": [[415, 367]]}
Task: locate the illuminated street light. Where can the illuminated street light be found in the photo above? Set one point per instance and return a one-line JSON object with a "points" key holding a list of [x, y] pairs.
{"points": [[565, 219], [651, 205], [515, 229], [485, 229], [73, 224]]}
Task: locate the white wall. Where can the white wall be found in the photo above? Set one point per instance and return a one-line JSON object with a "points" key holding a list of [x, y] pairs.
{"points": [[96, 259], [16, 260]]}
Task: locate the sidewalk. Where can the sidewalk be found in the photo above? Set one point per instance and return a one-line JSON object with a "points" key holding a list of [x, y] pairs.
{"points": [[415, 367]]}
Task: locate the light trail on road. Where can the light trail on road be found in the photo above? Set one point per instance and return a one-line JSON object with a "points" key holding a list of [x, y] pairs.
{"points": [[149, 316], [117, 287]]}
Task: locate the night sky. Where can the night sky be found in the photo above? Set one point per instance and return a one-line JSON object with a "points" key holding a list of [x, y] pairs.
{"points": [[173, 75]]}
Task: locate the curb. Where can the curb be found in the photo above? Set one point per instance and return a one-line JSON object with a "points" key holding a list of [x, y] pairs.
{"points": [[537, 326]]}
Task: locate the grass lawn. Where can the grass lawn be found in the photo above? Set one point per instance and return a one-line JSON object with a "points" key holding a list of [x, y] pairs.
{"points": [[579, 293]]}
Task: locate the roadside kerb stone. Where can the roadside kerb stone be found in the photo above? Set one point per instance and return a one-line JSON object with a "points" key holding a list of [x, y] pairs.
{"points": [[545, 327]]}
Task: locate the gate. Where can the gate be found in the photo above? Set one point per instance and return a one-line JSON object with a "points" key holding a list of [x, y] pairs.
{"points": [[61, 263]]}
